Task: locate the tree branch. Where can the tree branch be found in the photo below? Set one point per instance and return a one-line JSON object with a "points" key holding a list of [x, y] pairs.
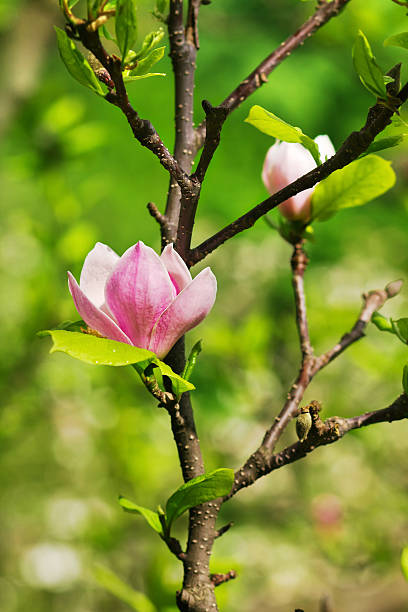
{"points": [[183, 56], [258, 463], [142, 129], [378, 118], [299, 262], [258, 77], [323, 433], [215, 117]]}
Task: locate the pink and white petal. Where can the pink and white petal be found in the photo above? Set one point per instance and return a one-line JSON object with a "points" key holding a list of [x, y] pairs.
{"points": [[138, 291], [93, 316], [298, 206], [175, 266], [97, 267], [271, 159], [189, 308], [325, 145]]}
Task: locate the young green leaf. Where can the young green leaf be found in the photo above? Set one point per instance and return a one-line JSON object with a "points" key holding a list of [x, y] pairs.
{"points": [[101, 351], [397, 40], [112, 583], [354, 185], [371, 75], [270, 124], [151, 517], [192, 360], [150, 41], [144, 65], [382, 323], [404, 562], [384, 143], [125, 26], [400, 329], [76, 64], [129, 79], [405, 379], [198, 491]]}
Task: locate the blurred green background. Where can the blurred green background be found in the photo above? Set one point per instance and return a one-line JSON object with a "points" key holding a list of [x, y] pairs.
{"points": [[74, 436]]}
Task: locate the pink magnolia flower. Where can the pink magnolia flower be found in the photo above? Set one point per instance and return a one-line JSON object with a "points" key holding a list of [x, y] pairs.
{"points": [[141, 298], [284, 163]]}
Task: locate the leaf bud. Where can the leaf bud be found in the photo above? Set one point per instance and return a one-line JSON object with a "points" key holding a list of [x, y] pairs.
{"points": [[303, 423], [393, 288]]}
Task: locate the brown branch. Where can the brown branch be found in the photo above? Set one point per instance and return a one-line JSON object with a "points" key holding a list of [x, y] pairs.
{"points": [[259, 76], [299, 262], [192, 23], [142, 129], [156, 214], [372, 301], [183, 56], [215, 117], [323, 433], [258, 463], [378, 118], [218, 579]]}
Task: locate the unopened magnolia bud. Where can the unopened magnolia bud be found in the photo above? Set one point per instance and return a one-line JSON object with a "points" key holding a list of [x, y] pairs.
{"points": [[284, 163], [393, 288], [303, 424]]}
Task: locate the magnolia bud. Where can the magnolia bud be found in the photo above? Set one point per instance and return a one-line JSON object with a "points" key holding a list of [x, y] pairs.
{"points": [[284, 163], [303, 424], [393, 288]]}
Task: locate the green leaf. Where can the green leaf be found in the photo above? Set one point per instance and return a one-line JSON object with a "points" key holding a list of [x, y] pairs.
{"points": [[397, 40], [192, 360], [404, 562], [112, 583], [151, 517], [150, 41], [76, 64], [400, 329], [125, 25], [144, 65], [385, 143], [382, 323], [354, 185], [101, 351], [368, 70], [198, 491], [162, 6], [405, 381], [270, 124], [129, 79]]}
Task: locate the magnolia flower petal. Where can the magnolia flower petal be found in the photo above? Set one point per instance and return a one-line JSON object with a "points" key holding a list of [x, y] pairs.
{"points": [[95, 318], [138, 291], [325, 145], [175, 266], [189, 308], [98, 265]]}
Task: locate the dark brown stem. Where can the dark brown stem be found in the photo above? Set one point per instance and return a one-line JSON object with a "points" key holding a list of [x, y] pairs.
{"points": [[378, 118], [215, 117], [183, 56], [299, 262], [156, 214], [197, 594], [258, 463], [258, 77]]}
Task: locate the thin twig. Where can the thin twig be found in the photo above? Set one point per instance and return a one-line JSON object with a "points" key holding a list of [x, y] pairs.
{"points": [[259, 462], [378, 118], [330, 431], [298, 263], [259, 76], [215, 117], [156, 214]]}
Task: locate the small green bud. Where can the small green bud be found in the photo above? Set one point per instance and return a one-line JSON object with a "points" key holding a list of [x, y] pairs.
{"points": [[303, 424]]}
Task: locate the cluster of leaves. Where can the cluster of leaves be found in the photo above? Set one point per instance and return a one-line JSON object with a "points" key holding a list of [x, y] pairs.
{"points": [[136, 64]]}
